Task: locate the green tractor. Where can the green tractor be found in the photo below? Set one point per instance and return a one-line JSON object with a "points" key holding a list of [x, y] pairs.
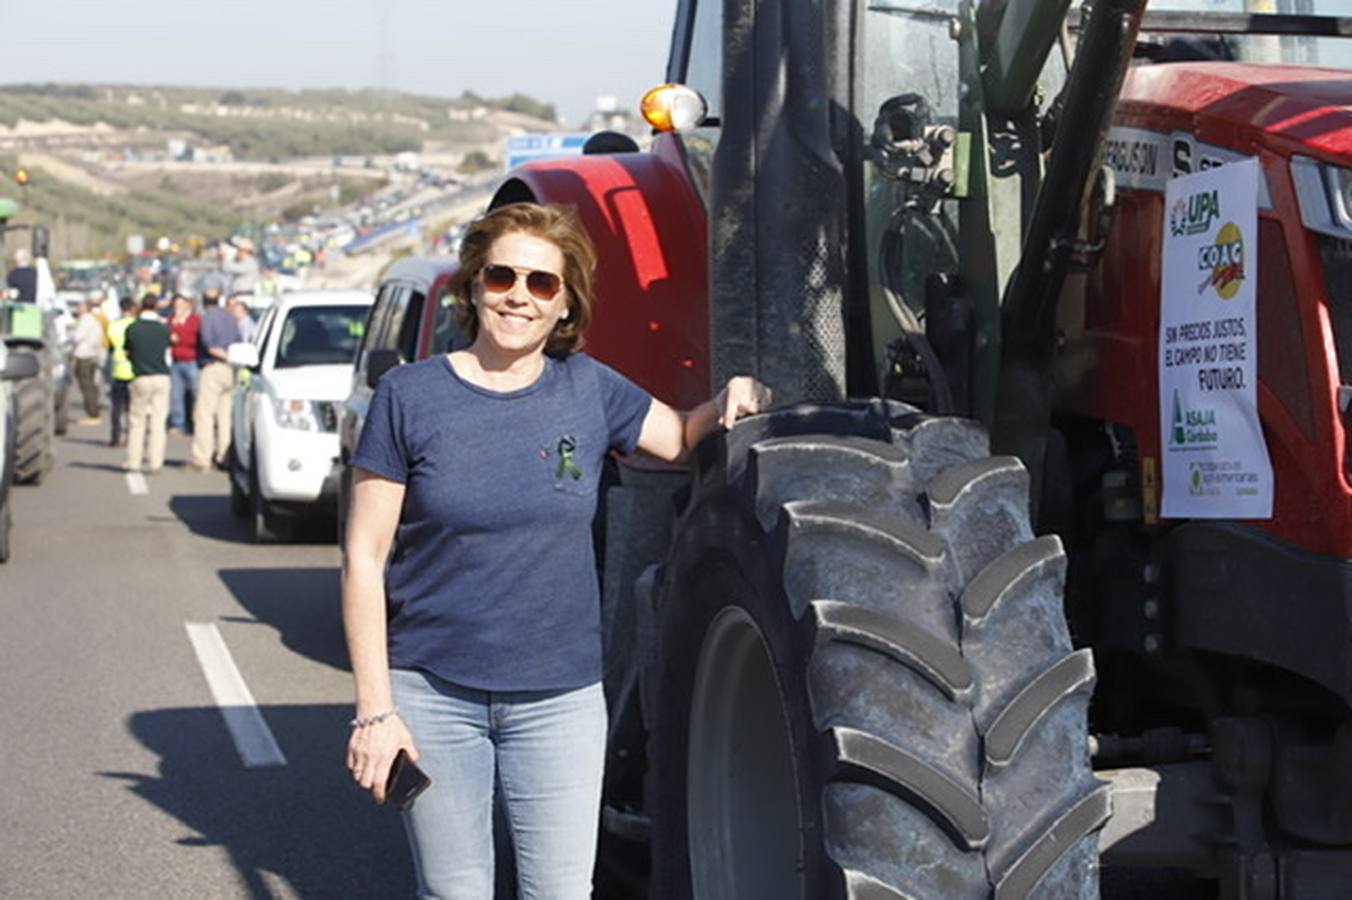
{"points": [[37, 403]]}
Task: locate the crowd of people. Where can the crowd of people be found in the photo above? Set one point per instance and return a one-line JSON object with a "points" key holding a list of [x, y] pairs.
{"points": [[163, 361]]}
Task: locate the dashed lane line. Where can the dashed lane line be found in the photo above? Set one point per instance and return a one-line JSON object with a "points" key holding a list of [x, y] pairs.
{"points": [[136, 483], [253, 739]]}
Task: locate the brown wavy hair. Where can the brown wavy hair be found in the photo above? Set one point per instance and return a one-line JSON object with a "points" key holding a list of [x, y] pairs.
{"points": [[554, 222]]}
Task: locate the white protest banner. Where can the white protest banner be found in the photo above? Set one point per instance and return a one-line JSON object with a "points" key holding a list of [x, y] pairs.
{"points": [[1215, 459]]}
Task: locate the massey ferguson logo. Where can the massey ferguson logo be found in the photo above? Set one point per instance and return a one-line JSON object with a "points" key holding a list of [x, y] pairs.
{"points": [[1223, 262], [1194, 215]]}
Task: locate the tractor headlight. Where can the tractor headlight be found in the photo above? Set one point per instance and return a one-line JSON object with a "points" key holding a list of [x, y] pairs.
{"points": [[297, 414], [1324, 192], [674, 108]]}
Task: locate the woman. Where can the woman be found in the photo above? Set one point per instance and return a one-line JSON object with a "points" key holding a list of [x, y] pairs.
{"points": [[480, 469]]}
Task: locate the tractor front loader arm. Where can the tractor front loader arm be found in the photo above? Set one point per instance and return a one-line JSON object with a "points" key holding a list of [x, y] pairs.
{"points": [[1024, 395]]}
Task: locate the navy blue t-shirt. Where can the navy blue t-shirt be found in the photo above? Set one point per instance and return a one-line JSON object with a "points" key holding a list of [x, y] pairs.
{"points": [[492, 583]]}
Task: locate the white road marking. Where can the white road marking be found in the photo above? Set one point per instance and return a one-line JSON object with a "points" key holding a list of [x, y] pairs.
{"points": [[257, 747], [136, 483]]}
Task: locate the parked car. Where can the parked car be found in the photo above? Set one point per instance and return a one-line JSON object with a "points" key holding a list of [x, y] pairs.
{"points": [[413, 317], [294, 375], [15, 365]]}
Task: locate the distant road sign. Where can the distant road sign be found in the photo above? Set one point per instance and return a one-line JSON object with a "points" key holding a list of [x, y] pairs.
{"points": [[523, 148]]}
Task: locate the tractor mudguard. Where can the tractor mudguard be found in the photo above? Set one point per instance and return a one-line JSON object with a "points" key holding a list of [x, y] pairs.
{"points": [[651, 320]]}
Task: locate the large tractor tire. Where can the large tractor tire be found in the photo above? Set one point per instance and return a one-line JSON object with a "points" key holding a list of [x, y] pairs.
{"points": [[61, 409], [864, 684], [6, 475], [34, 427]]}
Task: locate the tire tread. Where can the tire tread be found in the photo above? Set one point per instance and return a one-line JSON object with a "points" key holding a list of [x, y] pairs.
{"points": [[955, 809], [1056, 837], [898, 639], [1073, 674]]}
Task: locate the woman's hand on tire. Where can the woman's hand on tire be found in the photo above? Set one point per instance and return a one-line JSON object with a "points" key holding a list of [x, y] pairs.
{"points": [[371, 751], [742, 396]]}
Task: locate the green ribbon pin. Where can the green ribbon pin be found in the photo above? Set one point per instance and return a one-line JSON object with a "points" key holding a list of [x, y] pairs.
{"points": [[567, 444]]}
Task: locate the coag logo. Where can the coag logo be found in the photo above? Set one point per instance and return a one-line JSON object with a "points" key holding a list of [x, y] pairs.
{"points": [[1223, 262], [1194, 214]]}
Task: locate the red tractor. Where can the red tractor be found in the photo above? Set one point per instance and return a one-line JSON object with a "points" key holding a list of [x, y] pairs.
{"points": [[853, 652]]}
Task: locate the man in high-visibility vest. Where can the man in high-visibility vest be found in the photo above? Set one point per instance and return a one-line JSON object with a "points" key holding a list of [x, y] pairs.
{"points": [[119, 385]]}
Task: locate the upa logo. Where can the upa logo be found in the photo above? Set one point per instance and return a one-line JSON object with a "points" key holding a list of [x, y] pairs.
{"points": [[1194, 214], [1223, 262]]}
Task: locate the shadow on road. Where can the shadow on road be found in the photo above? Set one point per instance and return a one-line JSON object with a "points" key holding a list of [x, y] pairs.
{"points": [[101, 467], [304, 823], [302, 604], [208, 515]]}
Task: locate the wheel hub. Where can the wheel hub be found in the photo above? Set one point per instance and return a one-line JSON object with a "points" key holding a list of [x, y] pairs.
{"points": [[742, 800]]}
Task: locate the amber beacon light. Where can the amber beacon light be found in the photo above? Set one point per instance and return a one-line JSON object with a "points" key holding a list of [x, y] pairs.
{"points": [[673, 107]]}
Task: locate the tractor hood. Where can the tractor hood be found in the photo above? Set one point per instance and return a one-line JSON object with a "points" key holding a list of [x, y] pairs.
{"points": [[1292, 109]]}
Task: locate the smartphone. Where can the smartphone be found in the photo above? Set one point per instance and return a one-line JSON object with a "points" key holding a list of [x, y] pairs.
{"points": [[406, 782]]}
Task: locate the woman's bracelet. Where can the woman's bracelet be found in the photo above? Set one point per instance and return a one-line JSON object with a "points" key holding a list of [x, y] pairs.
{"points": [[363, 721]]}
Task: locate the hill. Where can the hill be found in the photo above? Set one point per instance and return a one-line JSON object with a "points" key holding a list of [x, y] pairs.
{"points": [[274, 123], [112, 160]]}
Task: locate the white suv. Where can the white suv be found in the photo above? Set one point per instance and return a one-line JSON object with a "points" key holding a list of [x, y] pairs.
{"points": [[292, 378]]}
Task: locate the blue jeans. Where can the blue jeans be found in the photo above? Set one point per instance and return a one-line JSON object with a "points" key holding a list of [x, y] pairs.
{"points": [[546, 749], [182, 393]]}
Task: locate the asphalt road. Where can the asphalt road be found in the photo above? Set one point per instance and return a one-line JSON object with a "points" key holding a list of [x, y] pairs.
{"points": [[121, 777]]}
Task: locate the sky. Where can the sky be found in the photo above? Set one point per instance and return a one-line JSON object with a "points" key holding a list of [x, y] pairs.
{"points": [[566, 52]]}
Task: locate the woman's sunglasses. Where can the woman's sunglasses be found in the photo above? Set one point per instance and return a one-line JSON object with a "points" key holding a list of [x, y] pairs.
{"points": [[542, 285]]}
